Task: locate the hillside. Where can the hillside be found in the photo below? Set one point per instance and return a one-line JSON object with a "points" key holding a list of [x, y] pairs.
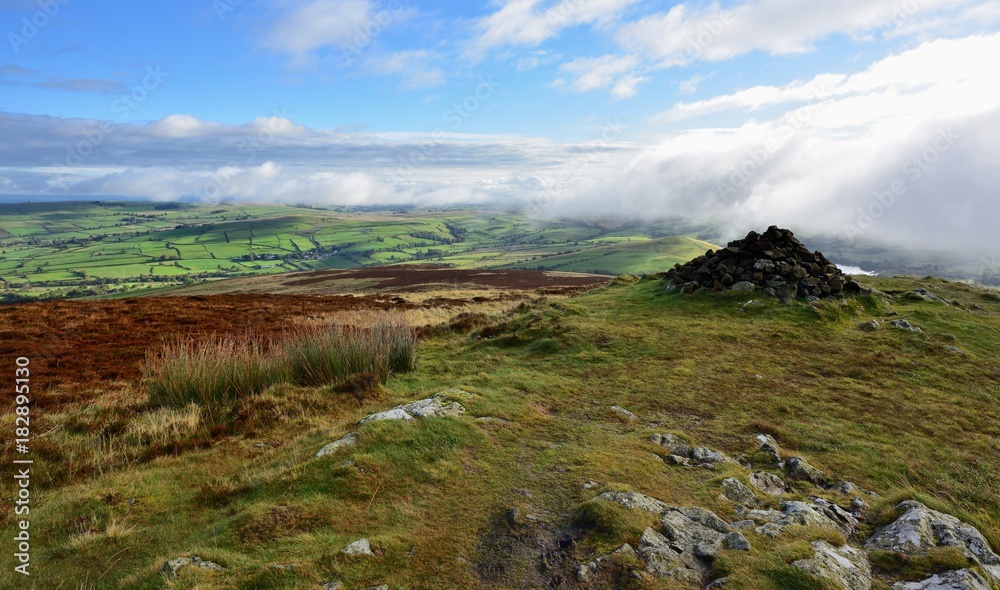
{"points": [[517, 474], [95, 248]]}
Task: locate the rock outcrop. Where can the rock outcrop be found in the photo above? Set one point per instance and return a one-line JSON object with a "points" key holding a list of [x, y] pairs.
{"points": [[956, 580], [775, 263], [846, 567], [920, 528]]}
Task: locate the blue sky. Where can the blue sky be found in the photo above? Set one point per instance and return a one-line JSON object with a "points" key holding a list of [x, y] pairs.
{"points": [[565, 103]]}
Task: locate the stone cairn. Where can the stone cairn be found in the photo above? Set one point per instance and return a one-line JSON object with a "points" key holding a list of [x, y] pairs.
{"points": [[775, 263]]}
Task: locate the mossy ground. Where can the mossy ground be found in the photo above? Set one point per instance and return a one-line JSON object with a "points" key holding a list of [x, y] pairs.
{"points": [[892, 411]]}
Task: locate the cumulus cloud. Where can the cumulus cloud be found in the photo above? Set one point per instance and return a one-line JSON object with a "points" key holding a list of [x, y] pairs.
{"points": [[317, 24], [898, 151]]}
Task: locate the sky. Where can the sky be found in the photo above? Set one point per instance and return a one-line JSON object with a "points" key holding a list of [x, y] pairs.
{"points": [[853, 118]]}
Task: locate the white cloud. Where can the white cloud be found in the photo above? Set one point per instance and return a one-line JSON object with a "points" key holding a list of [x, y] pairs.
{"points": [[685, 34], [925, 122], [413, 66], [316, 24], [691, 85], [527, 23], [942, 64], [600, 73]]}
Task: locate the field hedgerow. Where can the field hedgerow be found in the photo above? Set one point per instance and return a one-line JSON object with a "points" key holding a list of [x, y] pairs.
{"points": [[217, 372]]}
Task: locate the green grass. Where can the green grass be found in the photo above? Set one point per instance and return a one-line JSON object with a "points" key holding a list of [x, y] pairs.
{"points": [[892, 411]]}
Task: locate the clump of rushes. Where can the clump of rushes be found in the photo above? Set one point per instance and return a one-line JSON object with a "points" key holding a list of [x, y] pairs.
{"points": [[217, 372]]}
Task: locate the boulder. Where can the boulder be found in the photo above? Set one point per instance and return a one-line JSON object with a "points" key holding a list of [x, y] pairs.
{"points": [[801, 469], [736, 541], [768, 483], [360, 547], [846, 567], [920, 528], [872, 326], [636, 501], [706, 455], [734, 491], [769, 446], [954, 580], [433, 407], [905, 325], [349, 440], [623, 413], [674, 444], [173, 567], [585, 571], [691, 537], [393, 414]]}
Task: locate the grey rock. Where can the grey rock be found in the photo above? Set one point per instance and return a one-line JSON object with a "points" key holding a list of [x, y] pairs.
{"points": [[492, 420], [928, 296], [920, 528], [770, 529], [744, 286], [706, 455], [636, 501], [954, 580], [349, 440], [845, 566], [845, 487], [674, 444], [742, 525], [799, 468], [734, 491], [173, 567], [360, 547], [690, 536], [752, 304], [379, 587], [768, 483], [736, 541], [677, 460], [803, 514], [872, 326], [703, 517], [589, 485], [905, 325], [623, 413], [717, 584], [844, 520], [859, 505], [586, 571], [437, 406], [954, 349], [393, 414], [769, 446], [334, 585]]}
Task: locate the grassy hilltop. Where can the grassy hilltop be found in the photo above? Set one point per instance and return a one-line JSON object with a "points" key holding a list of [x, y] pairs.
{"points": [[466, 502]]}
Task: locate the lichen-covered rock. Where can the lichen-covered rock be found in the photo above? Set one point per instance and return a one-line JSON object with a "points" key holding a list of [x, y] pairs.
{"points": [[845, 566], [736, 541], [955, 580], [799, 468], [393, 414], [706, 455], [735, 491], [906, 325], [844, 520], [359, 547], [173, 567], [703, 517], [769, 446], [768, 483], [349, 440], [674, 444], [636, 501], [691, 536], [585, 571], [623, 413], [920, 528]]}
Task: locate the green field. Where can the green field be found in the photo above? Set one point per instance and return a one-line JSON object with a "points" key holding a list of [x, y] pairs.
{"points": [[93, 248]]}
